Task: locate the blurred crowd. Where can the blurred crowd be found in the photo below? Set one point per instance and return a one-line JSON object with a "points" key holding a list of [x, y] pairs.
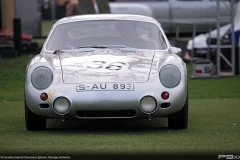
{"points": [[74, 7]]}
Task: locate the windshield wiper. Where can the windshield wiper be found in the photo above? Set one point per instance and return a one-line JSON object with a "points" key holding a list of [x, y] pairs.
{"points": [[103, 46], [93, 46]]}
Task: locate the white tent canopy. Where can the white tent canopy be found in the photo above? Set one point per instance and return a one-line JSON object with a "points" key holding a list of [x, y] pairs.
{"points": [[200, 41]]}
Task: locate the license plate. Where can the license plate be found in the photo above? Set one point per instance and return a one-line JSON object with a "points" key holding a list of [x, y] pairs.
{"points": [[105, 87]]}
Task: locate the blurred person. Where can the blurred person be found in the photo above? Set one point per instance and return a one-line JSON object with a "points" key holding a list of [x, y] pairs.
{"points": [[129, 31], [145, 37], [61, 8], [72, 8], [87, 6]]}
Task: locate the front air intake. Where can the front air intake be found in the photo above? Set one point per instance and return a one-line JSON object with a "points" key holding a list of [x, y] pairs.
{"points": [[165, 105], [106, 113], [44, 105]]}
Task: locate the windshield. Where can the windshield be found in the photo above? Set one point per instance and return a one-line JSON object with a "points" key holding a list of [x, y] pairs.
{"points": [[134, 34]]}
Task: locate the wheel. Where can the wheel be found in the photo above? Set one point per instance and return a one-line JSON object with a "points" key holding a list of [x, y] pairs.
{"points": [[34, 122], [179, 120]]}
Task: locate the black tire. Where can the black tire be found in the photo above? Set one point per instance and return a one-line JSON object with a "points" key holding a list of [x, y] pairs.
{"points": [[34, 122], [179, 120]]}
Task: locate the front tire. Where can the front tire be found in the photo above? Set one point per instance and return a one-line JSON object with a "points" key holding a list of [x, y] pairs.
{"points": [[179, 120], [33, 121]]}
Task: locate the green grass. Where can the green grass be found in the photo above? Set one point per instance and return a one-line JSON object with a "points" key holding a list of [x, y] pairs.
{"points": [[214, 124], [46, 26]]}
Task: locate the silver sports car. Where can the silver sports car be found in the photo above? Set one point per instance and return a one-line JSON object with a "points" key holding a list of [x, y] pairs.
{"points": [[106, 67]]}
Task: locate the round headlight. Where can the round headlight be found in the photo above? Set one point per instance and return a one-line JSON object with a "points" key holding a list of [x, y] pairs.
{"points": [[170, 76], [41, 78], [61, 106], [148, 104]]}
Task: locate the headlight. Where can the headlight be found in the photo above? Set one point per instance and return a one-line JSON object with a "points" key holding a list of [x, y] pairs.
{"points": [[61, 106], [41, 78], [148, 104], [170, 76]]}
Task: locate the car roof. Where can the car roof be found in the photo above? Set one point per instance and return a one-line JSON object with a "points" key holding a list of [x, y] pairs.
{"points": [[107, 17]]}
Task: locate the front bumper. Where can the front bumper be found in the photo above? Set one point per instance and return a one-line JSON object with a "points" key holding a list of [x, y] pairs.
{"points": [[127, 102]]}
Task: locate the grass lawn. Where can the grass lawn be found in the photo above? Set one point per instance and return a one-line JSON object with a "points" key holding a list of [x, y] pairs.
{"points": [[214, 125], [46, 26]]}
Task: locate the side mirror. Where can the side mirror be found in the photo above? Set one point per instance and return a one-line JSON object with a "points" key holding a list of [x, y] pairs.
{"points": [[175, 50]]}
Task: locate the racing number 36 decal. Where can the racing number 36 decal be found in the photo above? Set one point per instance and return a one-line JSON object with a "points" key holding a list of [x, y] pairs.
{"points": [[102, 65]]}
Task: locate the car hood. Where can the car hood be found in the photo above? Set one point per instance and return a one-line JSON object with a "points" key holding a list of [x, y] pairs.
{"points": [[106, 65]]}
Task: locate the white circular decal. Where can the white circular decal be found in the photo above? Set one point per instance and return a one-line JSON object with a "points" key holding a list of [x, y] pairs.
{"points": [[103, 66]]}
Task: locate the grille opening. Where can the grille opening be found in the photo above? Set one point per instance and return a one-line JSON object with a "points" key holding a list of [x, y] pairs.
{"points": [[106, 113], [165, 105], [44, 105]]}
